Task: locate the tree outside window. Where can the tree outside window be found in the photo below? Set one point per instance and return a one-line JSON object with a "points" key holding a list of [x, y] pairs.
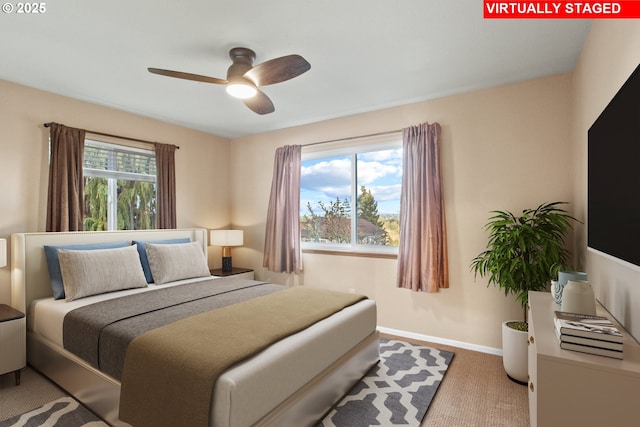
{"points": [[120, 187]]}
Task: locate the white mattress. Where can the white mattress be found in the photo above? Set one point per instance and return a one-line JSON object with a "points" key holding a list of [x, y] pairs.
{"points": [[46, 315]]}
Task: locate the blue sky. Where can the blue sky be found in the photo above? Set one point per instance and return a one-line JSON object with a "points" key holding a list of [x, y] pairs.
{"points": [[328, 178]]}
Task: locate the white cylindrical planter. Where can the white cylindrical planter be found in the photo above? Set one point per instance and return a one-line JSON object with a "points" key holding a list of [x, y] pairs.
{"points": [[514, 353]]}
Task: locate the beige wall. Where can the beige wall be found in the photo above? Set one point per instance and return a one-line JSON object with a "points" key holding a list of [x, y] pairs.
{"points": [[503, 148], [610, 54], [202, 199]]}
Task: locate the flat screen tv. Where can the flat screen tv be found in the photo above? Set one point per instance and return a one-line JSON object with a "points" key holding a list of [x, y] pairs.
{"points": [[613, 223]]}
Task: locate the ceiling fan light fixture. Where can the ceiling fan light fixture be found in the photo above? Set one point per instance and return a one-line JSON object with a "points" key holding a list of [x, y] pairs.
{"points": [[241, 90]]}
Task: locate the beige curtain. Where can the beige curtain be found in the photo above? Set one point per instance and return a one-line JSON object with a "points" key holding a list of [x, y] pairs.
{"points": [[422, 254], [282, 238], [166, 186], [65, 199]]}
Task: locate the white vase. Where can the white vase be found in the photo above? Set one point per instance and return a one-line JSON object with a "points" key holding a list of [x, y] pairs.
{"points": [[556, 291], [563, 278], [578, 297]]}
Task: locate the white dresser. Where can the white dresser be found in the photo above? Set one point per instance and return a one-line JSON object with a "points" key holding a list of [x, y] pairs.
{"points": [[567, 388]]}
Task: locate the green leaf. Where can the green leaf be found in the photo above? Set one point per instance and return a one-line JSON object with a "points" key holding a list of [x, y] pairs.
{"points": [[524, 252]]}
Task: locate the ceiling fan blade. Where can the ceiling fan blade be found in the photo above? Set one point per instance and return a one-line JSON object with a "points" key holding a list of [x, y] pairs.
{"points": [[260, 103], [187, 76], [278, 70]]}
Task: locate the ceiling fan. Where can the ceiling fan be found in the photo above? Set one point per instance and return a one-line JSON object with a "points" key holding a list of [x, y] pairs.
{"points": [[244, 79]]}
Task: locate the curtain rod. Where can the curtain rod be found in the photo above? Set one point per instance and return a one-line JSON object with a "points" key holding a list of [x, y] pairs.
{"points": [[353, 137], [116, 136]]}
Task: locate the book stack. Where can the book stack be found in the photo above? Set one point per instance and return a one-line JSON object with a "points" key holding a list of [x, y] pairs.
{"points": [[588, 334]]}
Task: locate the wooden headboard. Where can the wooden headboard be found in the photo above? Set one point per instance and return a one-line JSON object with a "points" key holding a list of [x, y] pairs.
{"points": [[29, 272]]}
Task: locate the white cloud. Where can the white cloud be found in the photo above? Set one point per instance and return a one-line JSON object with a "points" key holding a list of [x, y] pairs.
{"points": [[385, 192], [379, 164], [333, 178], [369, 172], [388, 156]]}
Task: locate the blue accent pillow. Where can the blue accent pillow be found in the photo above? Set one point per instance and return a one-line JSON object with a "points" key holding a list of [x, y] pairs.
{"points": [[142, 251], [53, 262]]}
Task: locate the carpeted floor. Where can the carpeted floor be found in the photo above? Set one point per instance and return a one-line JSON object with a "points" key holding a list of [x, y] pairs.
{"points": [[476, 393], [34, 391]]}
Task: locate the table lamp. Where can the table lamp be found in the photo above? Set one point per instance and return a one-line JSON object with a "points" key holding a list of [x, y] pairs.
{"points": [[226, 239]]}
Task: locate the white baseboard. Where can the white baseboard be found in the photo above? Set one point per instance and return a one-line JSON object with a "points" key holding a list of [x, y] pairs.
{"points": [[437, 340]]}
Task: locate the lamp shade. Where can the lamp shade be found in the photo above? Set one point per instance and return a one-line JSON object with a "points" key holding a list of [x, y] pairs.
{"points": [[226, 237], [3, 252]]}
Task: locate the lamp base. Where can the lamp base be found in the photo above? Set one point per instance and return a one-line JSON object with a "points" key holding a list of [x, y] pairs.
{"points": [[226, 263]]}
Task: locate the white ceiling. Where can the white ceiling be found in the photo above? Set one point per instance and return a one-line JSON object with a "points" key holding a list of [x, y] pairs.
{"points": [[365, 55]]}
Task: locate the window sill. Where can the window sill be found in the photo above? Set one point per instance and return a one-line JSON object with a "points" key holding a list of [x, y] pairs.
{"points": [[350, 253]]}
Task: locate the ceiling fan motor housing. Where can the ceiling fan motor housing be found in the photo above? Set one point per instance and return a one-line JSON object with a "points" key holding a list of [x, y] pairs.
{"points": [[242, 58]]}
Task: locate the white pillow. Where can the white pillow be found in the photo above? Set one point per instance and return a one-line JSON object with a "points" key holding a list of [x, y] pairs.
{"points": [[176, 262], [98, 271]]}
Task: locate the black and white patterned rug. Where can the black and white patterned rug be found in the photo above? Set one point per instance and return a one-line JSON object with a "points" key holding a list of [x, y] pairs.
{"points": [[397, 391], [64, 412]]}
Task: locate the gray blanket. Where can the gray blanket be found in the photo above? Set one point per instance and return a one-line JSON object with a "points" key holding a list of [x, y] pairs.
{"points": [[100, 333]]}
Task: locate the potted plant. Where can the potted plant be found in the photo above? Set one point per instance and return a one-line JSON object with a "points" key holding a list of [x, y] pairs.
{"points": [[523, 254]]}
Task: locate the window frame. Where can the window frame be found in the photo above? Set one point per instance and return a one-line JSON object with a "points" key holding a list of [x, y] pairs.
{"points": [[352, 148], [112, 176]]}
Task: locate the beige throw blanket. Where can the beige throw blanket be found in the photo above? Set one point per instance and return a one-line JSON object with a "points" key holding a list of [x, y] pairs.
{"points": [[169, 372]]}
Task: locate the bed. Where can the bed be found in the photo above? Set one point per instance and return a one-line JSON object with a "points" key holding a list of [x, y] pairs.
{"points": [[294, 381]]}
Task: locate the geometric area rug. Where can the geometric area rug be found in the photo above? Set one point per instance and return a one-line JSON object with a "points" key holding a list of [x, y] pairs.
{"points": [[64, 412], [396, 391]]}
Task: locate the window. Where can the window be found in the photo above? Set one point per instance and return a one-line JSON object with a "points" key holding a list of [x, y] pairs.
{"points": [[350, 197], [119, 187]]}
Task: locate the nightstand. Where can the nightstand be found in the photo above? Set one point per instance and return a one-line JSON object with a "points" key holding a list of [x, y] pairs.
{"points": [[13, 352], [237, 272]]}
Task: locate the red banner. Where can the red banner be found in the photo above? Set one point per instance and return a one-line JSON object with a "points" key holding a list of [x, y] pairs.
{"points": [[518, 9]]}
